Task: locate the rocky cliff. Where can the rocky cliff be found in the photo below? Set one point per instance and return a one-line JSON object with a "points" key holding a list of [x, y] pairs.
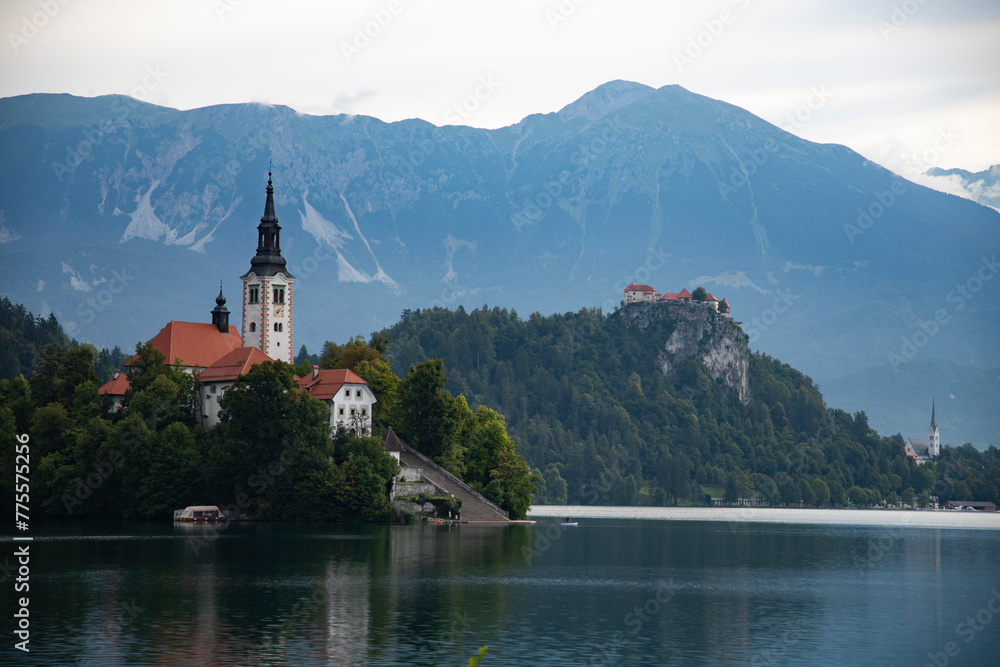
{"points": [[698, 332]]}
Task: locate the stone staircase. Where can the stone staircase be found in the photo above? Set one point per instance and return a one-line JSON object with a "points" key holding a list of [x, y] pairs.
{"points": [[475, 508]]}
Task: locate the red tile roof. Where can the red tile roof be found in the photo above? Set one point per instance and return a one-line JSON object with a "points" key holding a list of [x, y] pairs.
{"points": [[116, 386], [231, 366], [195, 343], [684, 294], [328, 382], [669, 296], [709, 297], [639, 288]]}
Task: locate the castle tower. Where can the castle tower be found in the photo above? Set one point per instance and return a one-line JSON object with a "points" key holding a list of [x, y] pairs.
{"points": [[267, 291], [933, 437]]}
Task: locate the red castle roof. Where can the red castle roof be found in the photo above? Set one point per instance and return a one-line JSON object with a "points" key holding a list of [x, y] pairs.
{"points": [[632, 287]]}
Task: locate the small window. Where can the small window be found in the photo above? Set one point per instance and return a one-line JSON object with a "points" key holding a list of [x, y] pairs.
{"points": [[253, 295], [364, 410], [253, 327], [358, 393], [353, 412], [340, 412], [279, 295]]}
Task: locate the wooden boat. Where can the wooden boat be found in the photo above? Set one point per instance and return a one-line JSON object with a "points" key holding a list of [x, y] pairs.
{"points": [[199, 514]]}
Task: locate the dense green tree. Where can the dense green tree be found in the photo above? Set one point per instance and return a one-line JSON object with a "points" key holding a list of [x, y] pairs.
{"points": [[268, 434], [383, 382], [147, 364], [23, 336], [821, 490], [699, 294], [425, 414]]}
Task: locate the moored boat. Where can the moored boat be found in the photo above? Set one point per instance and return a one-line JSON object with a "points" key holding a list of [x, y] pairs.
{"points": [[199, 514]]}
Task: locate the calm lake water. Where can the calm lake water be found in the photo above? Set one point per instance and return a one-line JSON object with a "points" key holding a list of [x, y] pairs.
{"points": [[627, 586]]}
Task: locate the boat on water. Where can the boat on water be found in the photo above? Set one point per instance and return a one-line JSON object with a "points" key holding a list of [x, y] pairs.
{"points": [[567, 522], [199, 514]]}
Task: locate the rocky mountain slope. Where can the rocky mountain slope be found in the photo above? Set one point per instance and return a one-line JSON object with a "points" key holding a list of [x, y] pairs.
{"points": [[119, 215]]}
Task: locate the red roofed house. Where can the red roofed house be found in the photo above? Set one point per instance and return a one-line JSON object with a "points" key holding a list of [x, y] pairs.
{"points": [[349, 398], [115, 388], [636, 293], [218, 377]]}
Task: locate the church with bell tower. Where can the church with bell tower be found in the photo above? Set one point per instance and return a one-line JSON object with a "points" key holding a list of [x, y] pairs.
{"points": [[267, 291]]}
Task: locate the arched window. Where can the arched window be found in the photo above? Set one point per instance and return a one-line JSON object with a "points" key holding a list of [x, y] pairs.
{"points": [[253, 327]]}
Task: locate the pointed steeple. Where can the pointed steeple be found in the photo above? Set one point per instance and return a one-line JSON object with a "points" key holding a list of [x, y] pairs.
{"points": [[220, 314], [269, 215], [933, 418], [268, 260]]}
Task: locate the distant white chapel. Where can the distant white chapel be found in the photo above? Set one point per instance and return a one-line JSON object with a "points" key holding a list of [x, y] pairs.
{"points": [[925, 450]]}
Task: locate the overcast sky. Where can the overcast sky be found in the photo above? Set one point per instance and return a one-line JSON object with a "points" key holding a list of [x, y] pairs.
{"points": [[907, 83]]}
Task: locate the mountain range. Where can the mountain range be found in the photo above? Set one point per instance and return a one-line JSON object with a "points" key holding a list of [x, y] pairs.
{"points": [[119, 215]]}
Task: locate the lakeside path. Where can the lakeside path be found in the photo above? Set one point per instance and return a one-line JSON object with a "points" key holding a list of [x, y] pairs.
{"points": [[965, 520]]}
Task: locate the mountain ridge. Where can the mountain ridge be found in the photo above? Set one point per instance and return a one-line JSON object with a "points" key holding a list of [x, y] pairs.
{"points": [[666, 186]]}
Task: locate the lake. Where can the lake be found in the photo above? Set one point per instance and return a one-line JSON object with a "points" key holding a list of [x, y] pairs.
{"points": [[627, 586]]}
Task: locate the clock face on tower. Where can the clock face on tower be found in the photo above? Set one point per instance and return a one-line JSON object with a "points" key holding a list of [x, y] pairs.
{"points": [[279, 311]]}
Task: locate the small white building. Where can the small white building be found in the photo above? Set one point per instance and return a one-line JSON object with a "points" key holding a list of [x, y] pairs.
{"points": [[349, 398], [217, 378]]}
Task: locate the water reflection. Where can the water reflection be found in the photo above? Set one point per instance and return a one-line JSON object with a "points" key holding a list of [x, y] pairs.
{"points": [[610, 592]]}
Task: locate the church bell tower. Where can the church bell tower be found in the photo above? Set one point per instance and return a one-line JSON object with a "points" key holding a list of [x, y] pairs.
{"points": [[933, 437], [267, 291]]}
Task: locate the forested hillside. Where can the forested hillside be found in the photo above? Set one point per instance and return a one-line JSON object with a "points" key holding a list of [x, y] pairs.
{"points": [[585, 398]]}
